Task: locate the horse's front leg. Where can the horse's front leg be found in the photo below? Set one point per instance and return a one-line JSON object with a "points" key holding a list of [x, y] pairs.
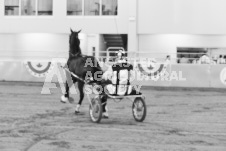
{"points": [[80, 88], [65, 97]]}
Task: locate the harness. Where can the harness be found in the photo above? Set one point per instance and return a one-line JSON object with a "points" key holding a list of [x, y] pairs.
{"points": [[75, 55], [71, 55]]}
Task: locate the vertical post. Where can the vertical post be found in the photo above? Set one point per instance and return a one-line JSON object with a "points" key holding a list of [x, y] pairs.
{"points": [[59, 9], [83, 7], [94, 51], [100, 8], [2, 11], [20, 8], [132, 29], [36, 7]]}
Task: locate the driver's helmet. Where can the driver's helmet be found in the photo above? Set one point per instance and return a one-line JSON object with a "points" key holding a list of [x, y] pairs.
{"points": [[120, 53], [120, 56]]}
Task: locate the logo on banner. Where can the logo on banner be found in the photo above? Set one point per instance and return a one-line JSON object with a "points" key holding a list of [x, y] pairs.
{"points": [[38, 69], [152, 71], [223, 76]]}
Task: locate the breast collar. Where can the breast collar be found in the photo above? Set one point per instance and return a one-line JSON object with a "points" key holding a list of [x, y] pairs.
{"points": [[75, 55]]}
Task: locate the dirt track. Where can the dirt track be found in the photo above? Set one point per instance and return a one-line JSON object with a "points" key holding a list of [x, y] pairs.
{"points": [[176, 120]]}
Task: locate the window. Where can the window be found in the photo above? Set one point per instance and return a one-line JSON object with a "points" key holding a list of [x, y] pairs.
{"points": [[28, 7], [45, 7], [11, 7], [74, 7], [92, 7], [188, 55], [201, 55], [109, 7]]}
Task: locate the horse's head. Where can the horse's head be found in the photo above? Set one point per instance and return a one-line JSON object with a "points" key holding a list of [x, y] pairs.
{"points": [[74, 42]]}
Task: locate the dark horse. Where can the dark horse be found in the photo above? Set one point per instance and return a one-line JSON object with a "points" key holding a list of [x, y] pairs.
{"points": [[80, 65]]}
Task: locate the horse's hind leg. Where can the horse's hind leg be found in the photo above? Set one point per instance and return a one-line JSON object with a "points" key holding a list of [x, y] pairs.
{"points": [[104, 106], [80, 88]]}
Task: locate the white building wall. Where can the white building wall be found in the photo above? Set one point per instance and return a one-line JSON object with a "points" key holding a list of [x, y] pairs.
{"points": [[92, 41], [50, 33], [61, 23], [181, 16], [160, 45], [35, 45], [157, 27], [164, 25], [102, 44]]}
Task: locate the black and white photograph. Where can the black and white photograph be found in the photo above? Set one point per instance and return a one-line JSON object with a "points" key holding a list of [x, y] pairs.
{"points": [[112, 75]]}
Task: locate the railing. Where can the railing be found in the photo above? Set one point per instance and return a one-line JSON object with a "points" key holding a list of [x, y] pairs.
{"points": [[179, 74], [21, 55], [109, 56]]}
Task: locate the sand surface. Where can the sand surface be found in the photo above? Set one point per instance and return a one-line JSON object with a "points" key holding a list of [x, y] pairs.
{"points": [[176, 120]]}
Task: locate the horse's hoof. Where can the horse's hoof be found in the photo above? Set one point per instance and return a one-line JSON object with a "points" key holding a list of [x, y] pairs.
{"points": [[77, 112], [63, 99], [71, 100], [105, 115], [77, 109]]}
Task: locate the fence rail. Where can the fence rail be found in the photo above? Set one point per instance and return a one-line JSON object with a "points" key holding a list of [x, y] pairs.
{"points": [[197, 75], [175, 58]]}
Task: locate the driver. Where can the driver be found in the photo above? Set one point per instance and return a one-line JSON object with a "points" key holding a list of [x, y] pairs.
{"points": [[117, 80]]}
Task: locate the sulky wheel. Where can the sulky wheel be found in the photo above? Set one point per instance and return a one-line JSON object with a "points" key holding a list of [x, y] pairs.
{"points": [[95, 109], [139, 109]]}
